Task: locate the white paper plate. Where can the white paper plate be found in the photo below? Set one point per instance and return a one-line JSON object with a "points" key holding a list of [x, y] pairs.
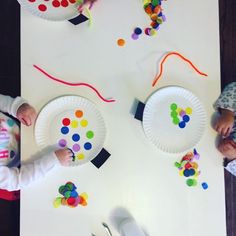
{"points": [[158, 123], [53, 129], [59, 13]]}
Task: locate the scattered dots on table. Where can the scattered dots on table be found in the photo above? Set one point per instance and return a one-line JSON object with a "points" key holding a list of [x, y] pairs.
{"points": [[80, 156], [191, 182], [147, 31], [87, 146], [70, 198], [73, 193], [152, 32], [56, 3], [90, 134], [188, 168], [64, 3], [84, 195], [31, 0], [134, 36], [182, 124], [186, 118], [57, 202], [79, 113], [173, 106], [176, 120], [83, 123], [204, 186], [76, 147], [138, 31], [62, 143], [74, 124], [65, 130], [182, 113], [173, 114], [154, 17], [75, 137], [163, 17], [194, 165], [42, 7], [154, 11], [180, 116], [121, 42], [66, 121]]}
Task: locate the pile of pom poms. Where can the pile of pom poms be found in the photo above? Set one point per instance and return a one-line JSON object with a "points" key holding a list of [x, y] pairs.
{"points": [[154, 10], [188, 167], [178, 113], [70, 196]]}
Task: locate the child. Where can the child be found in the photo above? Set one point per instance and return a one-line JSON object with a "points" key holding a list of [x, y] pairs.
{"points": [[11, 177], [226, 126]]}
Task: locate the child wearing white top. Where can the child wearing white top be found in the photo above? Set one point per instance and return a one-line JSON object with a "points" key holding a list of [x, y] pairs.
{"points": [[226, 126], [12, 177]]}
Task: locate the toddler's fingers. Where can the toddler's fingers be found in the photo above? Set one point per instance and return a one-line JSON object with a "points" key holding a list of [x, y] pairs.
{"points": [[224, 131], [215, 127], [228, 131], [25, 120], [33, 117], [233, 144], [220, 130], [70, 152]]}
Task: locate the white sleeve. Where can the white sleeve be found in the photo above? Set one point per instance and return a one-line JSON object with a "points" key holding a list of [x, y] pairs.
{"points": [[10, 105], [14, 179], [231, 167]]}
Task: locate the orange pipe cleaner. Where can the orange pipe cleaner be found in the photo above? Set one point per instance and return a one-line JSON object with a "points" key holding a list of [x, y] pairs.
{"points": [[183, 58], [74, 84]]}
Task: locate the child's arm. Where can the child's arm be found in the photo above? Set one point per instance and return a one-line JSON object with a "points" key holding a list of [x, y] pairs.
{"points": [[14, 179], [19, 108], [10, 105]]}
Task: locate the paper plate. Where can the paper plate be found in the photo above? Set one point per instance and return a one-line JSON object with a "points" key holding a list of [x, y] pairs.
{"points": [[55, 10], [174, 119], [73, 122]]}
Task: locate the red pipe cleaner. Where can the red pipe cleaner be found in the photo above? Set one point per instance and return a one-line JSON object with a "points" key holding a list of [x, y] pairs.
{"points": [[74, 84], [183, 58]]}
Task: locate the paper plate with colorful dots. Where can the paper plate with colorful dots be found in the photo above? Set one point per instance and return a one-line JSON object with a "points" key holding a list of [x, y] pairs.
{"points": [[55, 10], [71, 122], [174, 119]]}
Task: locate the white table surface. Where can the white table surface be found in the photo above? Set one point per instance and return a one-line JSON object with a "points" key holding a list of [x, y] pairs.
{"points": [[137, 176]]}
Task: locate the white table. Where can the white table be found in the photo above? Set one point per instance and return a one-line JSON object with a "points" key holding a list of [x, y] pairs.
{"points": [[137, 176]]}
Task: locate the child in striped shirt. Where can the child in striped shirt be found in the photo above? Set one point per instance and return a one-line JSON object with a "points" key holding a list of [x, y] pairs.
{"points": [[13, 178]]}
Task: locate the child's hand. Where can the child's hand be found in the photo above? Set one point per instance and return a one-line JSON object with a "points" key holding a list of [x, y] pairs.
{"points": [[26, 114], [228, 148], [85, 3], [225, 123], [64, 156]]}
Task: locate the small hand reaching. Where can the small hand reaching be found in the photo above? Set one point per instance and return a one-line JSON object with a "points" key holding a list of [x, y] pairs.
{"points": [[26, 114], [228, 148], [225, 123], [64, 156]]}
